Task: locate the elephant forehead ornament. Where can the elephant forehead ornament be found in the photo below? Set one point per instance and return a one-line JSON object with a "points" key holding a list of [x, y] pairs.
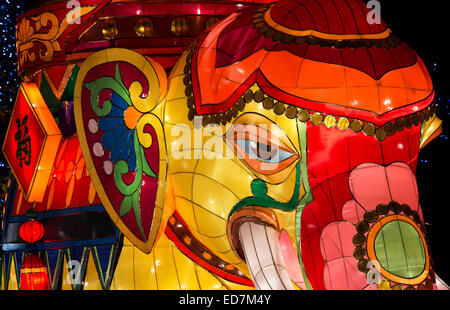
{"points": [[280, 152]]}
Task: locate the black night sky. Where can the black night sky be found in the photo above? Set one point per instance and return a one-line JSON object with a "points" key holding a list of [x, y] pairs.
{"points": [[424, 26]]}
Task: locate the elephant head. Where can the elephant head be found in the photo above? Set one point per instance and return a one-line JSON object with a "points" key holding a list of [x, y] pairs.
{"points": [[281, 148]]}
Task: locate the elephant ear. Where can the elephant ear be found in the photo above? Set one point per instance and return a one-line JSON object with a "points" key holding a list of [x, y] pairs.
{"points": [[119, 123]]}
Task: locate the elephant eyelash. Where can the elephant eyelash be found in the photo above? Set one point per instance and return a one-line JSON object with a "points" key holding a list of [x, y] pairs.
{"points": [[260, 150]]}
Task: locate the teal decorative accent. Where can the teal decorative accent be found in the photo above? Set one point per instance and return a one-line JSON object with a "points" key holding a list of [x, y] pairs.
{"points": [[77, 258], [49, 97], [105, 258], [67, 94], [107, 82], [53, 260], [260, 197], [6, 266]]}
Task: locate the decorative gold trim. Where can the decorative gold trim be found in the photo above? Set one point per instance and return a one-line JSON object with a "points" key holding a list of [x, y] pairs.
{"points": [[321, 35], [316, 118]]}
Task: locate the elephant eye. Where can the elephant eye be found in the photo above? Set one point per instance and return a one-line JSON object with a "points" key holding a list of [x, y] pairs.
{"points": [[261, 150]]}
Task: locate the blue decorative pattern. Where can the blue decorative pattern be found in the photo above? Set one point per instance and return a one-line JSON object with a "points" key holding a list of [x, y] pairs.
{"points": [[117, 137]]}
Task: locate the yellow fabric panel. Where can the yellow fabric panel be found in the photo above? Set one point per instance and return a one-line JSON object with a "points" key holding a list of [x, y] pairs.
{"points": [[91, 280], [186, 211], [226, 175], [135, 270], [12, 284], [126, 242], [2, 274], [66, 285], [174, 103], [175, 91], [176, 80], [283, 192], [182, 184], [124, 273], [166, 270], [207, 280], [209, 199], [186, 271], [204, 219], [164, 241], [235, 286], [144, 273]]}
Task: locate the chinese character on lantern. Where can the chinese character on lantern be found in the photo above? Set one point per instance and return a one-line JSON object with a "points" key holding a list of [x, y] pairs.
{"points": [[31, 142], [23, 151]]}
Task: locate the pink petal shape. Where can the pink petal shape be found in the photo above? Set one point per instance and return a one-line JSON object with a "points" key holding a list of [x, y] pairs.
{"points": [[403, 185], [372, 184], [343, 274], [291, 260], [336, 240], [352, 212], [369, 186]]}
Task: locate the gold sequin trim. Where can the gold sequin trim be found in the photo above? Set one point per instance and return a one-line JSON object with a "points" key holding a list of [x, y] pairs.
{"points": [[304, 115]]}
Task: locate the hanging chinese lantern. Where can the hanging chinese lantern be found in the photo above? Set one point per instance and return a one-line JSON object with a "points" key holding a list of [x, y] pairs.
{"points": [[33, 274], [31, 231]]}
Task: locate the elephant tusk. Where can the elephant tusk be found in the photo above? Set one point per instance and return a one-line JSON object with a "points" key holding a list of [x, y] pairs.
{"points": [[263, 255]]}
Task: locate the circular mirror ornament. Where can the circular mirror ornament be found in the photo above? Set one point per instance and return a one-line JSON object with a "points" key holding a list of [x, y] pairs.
{"points": [[391, 239], [397, 248]]}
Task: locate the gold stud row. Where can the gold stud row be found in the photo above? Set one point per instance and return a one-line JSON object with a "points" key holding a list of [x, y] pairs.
{"points": [[303, 115]]}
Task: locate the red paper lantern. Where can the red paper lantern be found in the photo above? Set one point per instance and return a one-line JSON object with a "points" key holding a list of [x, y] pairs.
{"points": [[31, 231], [33, 274]]}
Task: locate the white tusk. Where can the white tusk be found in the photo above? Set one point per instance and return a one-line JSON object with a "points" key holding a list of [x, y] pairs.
{"points": [[263, 256]]}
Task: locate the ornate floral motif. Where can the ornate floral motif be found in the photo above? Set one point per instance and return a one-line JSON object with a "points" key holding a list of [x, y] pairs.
{"points": [[122, 138], [122, 124], [27, 34]]}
